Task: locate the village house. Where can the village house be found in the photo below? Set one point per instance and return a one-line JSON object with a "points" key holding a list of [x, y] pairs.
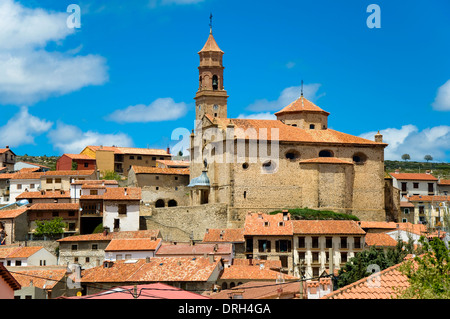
{"points": [[132, 248], [270, 237], [198, 274], [415, 183], [161, 186], [46, 282], [21, 256], [37, 167], [407, 211], [120, 159], [177, 249], [43, 196], [89, 250], [15, 223], [321, 243], [76, 186], [61, 180], [444, 187], [430, 210], [7, 159], [380, 241], [78, 162], [233, 236], [22, 181], [172, 164]]}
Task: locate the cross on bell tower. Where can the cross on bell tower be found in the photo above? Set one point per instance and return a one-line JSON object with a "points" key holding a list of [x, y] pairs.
{"points": [[211, 97]]}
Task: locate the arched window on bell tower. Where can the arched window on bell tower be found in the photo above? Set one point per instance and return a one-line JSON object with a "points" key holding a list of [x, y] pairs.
{"points": [[215, 82], [200, 82]]}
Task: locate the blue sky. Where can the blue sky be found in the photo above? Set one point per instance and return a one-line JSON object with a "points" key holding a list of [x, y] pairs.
{"points": [[128, 76]]}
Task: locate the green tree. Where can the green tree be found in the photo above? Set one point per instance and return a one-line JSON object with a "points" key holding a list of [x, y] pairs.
{"points": [[406, 157], [428, 274], [111, 175], [50, 228], [428, 158]]}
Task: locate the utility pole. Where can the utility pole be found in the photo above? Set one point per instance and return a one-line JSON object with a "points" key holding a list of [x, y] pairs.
{"points": [[301, 267], [331, 265]]}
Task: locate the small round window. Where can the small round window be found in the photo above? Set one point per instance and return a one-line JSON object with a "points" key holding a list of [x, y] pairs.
{"points": [[269, 166], [359, 158], [245, 165]]}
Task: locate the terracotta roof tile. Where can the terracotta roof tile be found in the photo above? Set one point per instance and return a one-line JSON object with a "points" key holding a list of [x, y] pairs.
{"points": [[168, 249], [54, 206], [414, 176], [25, 252], [265, 224], [44, 194], [210, 45], [260, 290], [79, 157], [159, 170], [133, 244], [302, 104], [267, 264], [224, 235], [174, 163], [117, 193], [12, 213], [380, 240], [43, 278], [325, 160], [444, 182], [328, 227], [243, 272], [111, 235], [69, 173], [429, 198]]}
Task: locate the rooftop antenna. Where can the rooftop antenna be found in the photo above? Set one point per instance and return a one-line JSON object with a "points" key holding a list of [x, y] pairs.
{"points": [[210, 23]]}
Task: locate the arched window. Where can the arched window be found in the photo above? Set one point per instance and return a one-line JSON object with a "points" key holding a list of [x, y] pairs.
{"points": [[232, 285], [326, 153], [215, 82], [292, 155], [224, 286], [359, 158], [160, 203], [200, 82], [172, 203]]}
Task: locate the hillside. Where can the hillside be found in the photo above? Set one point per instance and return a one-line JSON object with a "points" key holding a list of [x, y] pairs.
{"points": [[438, 169], [49, 161]]}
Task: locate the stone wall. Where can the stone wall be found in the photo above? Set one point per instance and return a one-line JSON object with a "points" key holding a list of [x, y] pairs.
{"points": [[182, 222]]}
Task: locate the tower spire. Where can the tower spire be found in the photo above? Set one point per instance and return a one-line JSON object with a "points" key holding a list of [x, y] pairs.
{"points": [[302, 89]]}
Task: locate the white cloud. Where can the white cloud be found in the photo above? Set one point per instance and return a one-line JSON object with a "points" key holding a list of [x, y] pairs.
{"points": [[434, 141], [162, 109], [258, 116], [154, 3], [28, 72], [290, 64], [442, 100], [22, 128], [287, 96], [71, 139]]}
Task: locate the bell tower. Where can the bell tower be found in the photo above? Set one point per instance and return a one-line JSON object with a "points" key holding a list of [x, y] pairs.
{"points": [[211, 97]]}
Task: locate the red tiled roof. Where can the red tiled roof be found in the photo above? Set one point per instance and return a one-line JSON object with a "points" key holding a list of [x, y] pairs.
{"points": [[377, 225], [158, 269], [25, 252], [117, 193], [79, 157], [224, 235], [380, 240], [111, 235], [444, 182], [54, 206], [159, 170], [46, 277], [195, 250], [414, 176], [69, 173], [378, 286], [211, 45], [267, 264], [3, 150], [130, 150], [253, 129], [44, 194], [260, 290], [95, 182], [429, 198], [265, 224], [12, 213], [133, 244], [174, 163], [241, 272], [327, 227], [302, 104]]}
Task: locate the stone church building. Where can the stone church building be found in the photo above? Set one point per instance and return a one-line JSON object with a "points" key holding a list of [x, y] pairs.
{"points": [[294, 161]]}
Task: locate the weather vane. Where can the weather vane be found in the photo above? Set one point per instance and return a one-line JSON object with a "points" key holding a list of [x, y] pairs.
{"points": [[210, 22]]}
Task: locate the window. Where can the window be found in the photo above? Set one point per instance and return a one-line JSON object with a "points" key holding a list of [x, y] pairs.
{"points": [[131, 156], [343, 257], [122, 208], [329, 242], [94, 246], [359, 158], [357, 242], [160, 203], [315, 257], [315, 242], [116, 223], [215, 82], [404, 188], [292, 155], [263, 246], [19, 186], [139, 157], [87, 259], [176, 178], [127, 256], [325, 153], [301, 242], [157, 177], [245, 194], [18, 262], [49, 180], [86, 165], [93, 192], [153, 158], [57, 180], [71, 226], [71, 213], [245, 165], [269, 166], [119, 257], [415, 185], [172, 203], [31, 186], [55, 214], [74, 247], [283, 246], [406, 211], [42, 262], [301, 255], [312, 126], [430, 188], [343, 242], [404, 220]]}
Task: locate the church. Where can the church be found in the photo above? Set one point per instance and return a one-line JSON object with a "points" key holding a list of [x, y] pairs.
{"points": [[293, 161]]}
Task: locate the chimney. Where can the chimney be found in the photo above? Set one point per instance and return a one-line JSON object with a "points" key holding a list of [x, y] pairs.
{"points": [[107, 264], [105, 231], [125, 191], [428, 172], [285, 215], [7, 146], [147, 259], [397, 171], [378, 137], [168, 150], [211, 259]]}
